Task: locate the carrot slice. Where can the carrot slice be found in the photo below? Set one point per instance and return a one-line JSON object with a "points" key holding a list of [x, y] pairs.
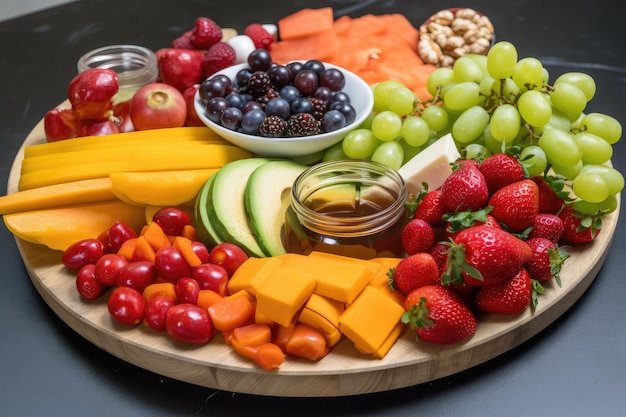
{"points": [[155, 235], [305, 22], [281, 334], [206, 298], [190, 232], [127, 248], [185, 247], [231, 312], [306, 342], [269, 356], [254, 334], [166, 289], [143, 250]]}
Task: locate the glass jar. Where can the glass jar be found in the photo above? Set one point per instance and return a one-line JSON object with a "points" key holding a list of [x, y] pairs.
{"points": [[347, 207], [135, 66]]}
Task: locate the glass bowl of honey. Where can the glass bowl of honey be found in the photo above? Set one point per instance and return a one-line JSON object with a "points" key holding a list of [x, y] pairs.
{"points": [[348, 207]]}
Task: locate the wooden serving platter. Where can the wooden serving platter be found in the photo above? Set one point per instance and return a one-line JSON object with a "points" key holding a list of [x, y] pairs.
{"points": [[342, 372]]}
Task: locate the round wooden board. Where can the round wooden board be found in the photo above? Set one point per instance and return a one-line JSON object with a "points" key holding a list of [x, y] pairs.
{"points": [[342, 372]]}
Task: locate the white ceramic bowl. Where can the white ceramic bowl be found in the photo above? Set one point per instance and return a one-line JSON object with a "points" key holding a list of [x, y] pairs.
{"points": [[361, 99]]}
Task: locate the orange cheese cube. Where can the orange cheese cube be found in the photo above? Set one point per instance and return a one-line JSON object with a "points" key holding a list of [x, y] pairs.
{"points": [[283, 294], [337, 277], [370, 319], [252, 274], [323, 314], [389, 341], [380, 279]]}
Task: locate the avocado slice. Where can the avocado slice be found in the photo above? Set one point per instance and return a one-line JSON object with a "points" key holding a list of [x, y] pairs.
{"points": [[267, 197], [206, 232], [226, 204]]}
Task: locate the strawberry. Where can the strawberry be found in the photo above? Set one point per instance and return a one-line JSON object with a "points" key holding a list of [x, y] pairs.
{"points": [[417, 236], [547, 225], [578, 228], [261, 37], [516, 205], [414, 271], [431, 208], [501, 169], [546, 261], [438, 315], [440, 253], [465, 188], [484, 255], [512, 296], [219, 56], [205, 33], [551, 194], [456, 222]]}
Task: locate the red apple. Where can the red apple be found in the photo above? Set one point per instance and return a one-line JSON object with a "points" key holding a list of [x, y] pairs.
{"points": [[192, 116], [60, 124], [91, 127], [211, 277], [158, 105], [179, 67], [91, 93]]}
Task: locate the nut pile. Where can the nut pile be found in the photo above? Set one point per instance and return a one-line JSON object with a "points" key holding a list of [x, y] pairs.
{"points": [[452, 33]]}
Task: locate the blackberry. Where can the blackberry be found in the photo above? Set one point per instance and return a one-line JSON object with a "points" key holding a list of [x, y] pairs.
{"points": [[269, 94], [302, 124], [319, 107], [273, 127], [258, 84]]}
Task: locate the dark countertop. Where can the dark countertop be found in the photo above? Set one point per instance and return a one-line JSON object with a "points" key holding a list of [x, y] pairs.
{"points": [[575, 367]]}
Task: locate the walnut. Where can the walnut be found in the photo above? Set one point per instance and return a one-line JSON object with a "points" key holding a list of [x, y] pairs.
{"points": [[429, 50], [449, 35], [443, 17]]}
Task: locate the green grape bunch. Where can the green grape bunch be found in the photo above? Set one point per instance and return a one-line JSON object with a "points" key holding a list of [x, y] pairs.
{"points": [[497, 103]]}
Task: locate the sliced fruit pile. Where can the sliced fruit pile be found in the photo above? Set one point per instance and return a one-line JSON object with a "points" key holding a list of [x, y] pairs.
{"points": [[71, 189], [245, 203]]}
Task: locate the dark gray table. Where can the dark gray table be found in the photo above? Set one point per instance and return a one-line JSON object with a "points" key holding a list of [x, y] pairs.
{"points": [[575, 367]]}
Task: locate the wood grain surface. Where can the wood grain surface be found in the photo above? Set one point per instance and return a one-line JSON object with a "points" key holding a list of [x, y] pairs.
{"points": [[342, 372]]}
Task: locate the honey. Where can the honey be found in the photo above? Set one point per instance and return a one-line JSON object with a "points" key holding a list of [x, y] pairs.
{"points": [[348, 207]]}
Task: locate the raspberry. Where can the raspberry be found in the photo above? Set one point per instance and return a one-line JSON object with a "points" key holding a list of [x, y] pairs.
{"points": [[273, 127], [183, 41], [261, 37], [205, 33], [219, 56], [302, 124], [258, 84]]}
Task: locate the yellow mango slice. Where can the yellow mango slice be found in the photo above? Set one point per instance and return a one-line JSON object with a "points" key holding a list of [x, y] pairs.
{"points": [[47, 170], [57, 195], [122, 140], [159, 188], [60, 227]]}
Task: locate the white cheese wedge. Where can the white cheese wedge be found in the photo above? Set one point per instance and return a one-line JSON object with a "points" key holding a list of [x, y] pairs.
{"points": [[431, 165]]}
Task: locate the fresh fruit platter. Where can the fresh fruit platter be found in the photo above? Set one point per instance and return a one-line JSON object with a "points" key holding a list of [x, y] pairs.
{"points": [[172, 248]]}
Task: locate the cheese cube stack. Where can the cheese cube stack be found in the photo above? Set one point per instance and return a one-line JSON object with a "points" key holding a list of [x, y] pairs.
{"points": [[337, 295]]}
